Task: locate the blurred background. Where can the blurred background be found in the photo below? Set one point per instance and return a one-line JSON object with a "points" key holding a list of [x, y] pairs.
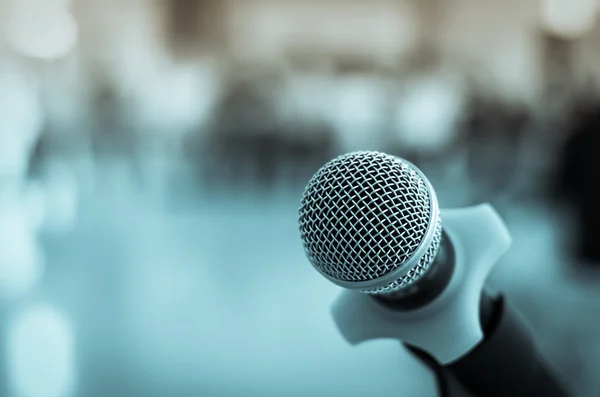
{"points": [[153, 154]]}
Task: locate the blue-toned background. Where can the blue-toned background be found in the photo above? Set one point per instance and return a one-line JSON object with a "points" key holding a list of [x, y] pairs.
{"points": [[153, 154]]}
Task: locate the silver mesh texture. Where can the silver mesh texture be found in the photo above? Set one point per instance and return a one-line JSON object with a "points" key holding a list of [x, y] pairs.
{"points": [[363, 215], [414, 273]]}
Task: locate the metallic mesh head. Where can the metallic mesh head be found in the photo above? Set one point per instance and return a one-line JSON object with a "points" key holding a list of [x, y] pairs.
{"points": [[370, 221]]}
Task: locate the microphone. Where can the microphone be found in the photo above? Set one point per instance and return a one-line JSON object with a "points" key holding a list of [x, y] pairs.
{"points": [[370, 223]]}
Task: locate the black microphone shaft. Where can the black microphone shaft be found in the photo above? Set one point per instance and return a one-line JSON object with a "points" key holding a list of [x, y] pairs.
{"points": [[506, 362]]}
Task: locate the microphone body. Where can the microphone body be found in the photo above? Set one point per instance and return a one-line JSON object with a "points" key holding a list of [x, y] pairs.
{"points": [[470, 335], [448, 327], [506, 362]]}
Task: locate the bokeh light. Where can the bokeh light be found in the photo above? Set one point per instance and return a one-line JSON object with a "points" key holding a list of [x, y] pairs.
{"points": [[21, 259], [59, 192], [180, 99], [42, 30], [428, 113], [22, 119], [40, 358], [568, 19], [358, 112]]}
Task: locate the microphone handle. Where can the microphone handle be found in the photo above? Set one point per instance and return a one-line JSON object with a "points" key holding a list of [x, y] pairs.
{"points": [[505, 363], [447, 385]]}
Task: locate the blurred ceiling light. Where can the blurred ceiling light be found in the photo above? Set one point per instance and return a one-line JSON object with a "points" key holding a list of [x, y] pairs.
{"points": [[428, 114], [41, 30], [40, 344], [568, 19], [21, 260]]}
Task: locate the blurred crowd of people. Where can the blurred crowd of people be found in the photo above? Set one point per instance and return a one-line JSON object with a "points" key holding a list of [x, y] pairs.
{"points": [[250, 132], [270, 130]]}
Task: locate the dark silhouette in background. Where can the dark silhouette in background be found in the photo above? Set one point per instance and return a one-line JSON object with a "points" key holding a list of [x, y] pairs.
{"points": [[39, 153], [247, 144], [243, 129], [307, 149], [579, 179], [493, 133], [110, 134], [194, 27]]}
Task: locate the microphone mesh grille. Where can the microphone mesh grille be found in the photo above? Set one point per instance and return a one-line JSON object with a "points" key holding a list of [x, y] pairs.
{"points": [[363, 215]]}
